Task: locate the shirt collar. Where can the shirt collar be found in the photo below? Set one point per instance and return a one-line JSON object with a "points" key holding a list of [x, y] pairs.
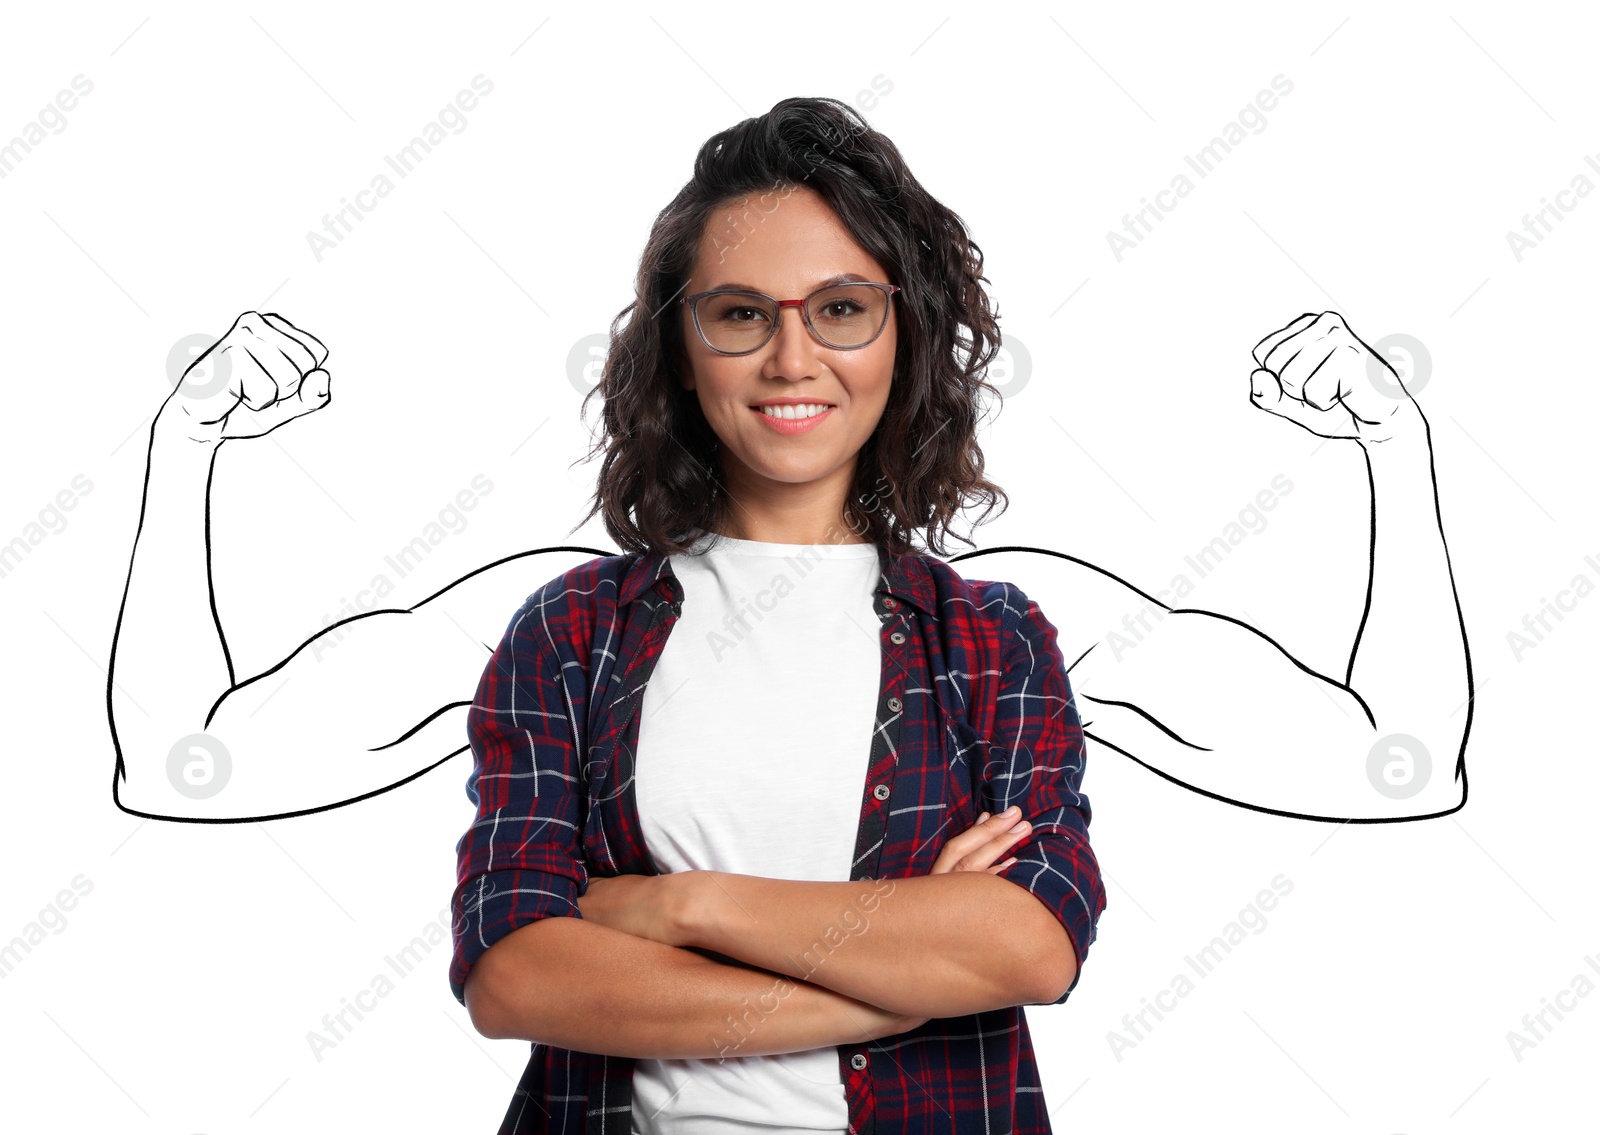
{"points": [[906, 578]]}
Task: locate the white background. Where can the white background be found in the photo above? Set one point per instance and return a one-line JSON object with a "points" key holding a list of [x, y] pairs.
{"points": [[179, 994]]}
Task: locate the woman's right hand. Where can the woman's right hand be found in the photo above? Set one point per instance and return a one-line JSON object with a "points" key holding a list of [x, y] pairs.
{"points": [[264, 372], [874, 1021]]}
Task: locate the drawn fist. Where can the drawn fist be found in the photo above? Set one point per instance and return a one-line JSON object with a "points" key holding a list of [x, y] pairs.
{"points": [[1317, 374], [264, 372]]}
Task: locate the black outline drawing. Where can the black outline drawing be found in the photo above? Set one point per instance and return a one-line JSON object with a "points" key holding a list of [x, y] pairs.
{"points": [[285, 381]]}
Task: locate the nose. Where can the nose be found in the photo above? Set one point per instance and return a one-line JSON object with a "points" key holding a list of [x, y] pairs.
{"points": [[796, 346]]}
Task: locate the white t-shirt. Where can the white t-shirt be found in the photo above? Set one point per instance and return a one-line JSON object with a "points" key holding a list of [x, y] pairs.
{"points": [[754, 739]]}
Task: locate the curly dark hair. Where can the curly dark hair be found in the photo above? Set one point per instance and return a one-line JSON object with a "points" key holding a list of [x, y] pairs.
{"points": [[661, 477]]}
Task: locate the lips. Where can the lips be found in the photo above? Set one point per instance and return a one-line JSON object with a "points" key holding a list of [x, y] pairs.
{"points": [[794, 425]]}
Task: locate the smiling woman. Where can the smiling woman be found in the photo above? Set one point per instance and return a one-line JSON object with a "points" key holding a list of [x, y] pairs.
{"points": [[787, 401]]}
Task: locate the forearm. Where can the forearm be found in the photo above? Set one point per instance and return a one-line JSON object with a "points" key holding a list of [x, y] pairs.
{"points": [[168, 663], [576, 984], [1409, 661], [930, 946]]}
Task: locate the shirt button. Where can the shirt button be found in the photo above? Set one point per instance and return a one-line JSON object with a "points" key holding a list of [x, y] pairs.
{"points": [[858, 1061], [891, 605], [881, 792], [894, 705], [897, 638]]}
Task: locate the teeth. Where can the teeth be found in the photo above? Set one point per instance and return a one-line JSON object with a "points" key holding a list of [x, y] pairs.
{"points": [[809, 410]]}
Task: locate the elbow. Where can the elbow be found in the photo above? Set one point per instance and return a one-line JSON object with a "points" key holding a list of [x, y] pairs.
{"points": [[1053, 966], [1417, 776], [485, 1003], [1055, 977], [505, 993]]}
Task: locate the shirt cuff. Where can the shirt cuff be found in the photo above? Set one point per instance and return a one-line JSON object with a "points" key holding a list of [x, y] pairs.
{"points": [[491, 905]]}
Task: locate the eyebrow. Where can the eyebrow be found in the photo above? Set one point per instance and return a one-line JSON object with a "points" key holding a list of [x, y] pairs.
{"points": [[840, 278]]}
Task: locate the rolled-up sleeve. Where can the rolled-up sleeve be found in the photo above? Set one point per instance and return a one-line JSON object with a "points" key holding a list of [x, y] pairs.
{"points": [[1036, 761], [520, 861]]}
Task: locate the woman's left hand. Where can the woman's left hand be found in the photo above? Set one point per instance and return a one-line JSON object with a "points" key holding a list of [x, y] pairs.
{"points": [[646, 906], [977, 848]]}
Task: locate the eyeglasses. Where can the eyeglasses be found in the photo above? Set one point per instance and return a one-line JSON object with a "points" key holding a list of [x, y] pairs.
{"points": [[846, 317]]}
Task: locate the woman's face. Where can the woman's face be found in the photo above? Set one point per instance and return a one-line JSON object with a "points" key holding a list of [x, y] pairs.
{"points": [[788, 251]]}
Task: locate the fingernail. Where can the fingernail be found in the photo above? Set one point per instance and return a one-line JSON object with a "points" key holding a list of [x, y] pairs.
{"points": [[1022, 827], [983, 817], [1012, 811]]}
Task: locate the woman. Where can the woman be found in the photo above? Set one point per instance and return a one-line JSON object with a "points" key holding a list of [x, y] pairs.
{"points": [[764, 762], [378, 699]]}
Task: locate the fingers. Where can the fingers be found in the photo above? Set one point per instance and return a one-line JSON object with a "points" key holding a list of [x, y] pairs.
{"points": [[312, 395], [271, 358], [980, 845], [313, 345], [1311, 359], [1266, 346]]}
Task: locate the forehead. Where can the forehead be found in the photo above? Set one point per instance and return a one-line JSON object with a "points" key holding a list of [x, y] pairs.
{"points": [[784, 242]]}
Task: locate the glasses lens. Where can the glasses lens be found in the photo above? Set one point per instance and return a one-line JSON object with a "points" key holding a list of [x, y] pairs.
{"points": [[735, 321], [849, 315]]}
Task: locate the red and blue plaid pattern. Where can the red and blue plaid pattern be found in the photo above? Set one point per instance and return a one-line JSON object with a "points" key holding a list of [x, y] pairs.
{"points": [[974, 714]]}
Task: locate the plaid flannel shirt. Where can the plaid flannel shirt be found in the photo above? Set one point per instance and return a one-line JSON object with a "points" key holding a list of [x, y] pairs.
{"points": [[974, 714]]}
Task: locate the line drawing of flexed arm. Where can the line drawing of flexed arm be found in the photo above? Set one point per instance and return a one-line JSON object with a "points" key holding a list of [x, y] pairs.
{"points": [[1216, 705], [1208, 702], [365, 705]]}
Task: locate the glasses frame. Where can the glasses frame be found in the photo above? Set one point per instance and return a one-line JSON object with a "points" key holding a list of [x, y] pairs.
{"points": [[805, 314]]}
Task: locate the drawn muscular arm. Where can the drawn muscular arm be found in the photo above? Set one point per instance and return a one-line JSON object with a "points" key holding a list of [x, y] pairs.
{"points": [[1218, 706], [364, 705]]}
